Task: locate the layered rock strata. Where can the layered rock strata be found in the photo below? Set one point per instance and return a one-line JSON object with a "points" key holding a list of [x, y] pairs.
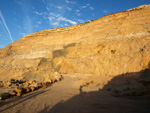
{"points": [[115, 44]]}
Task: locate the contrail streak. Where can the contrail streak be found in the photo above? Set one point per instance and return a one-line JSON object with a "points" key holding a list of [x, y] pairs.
{"points": [[3, 21], [4, 28]]}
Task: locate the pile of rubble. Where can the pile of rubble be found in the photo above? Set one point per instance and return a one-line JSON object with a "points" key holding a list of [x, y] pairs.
{"points": [[14, 87]]}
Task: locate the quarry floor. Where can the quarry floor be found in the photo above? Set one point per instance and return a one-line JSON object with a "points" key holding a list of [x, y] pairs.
{"points": [[67, 96]]}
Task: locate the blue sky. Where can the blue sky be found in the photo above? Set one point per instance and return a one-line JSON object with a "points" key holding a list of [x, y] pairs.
{"points": [[21, 17]]}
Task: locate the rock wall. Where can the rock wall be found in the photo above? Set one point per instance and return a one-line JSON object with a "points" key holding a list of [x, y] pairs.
{"points": [[109, 46]]}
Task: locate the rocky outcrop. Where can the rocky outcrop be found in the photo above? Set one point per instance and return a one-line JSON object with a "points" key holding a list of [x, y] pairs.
{"points": [[109, 46], [15, 87]]}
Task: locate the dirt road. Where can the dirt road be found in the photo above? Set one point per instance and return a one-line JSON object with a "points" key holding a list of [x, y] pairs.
{"points": [[67, 96]]}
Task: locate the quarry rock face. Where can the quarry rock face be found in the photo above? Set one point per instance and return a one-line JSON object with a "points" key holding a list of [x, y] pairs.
{"points": [[115, 44]]}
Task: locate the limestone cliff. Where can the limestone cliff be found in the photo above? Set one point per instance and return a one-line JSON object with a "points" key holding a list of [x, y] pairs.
{"points": [[109, 46]]}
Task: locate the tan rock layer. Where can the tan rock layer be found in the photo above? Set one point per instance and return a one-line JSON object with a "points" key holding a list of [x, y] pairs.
{"points": [[114, 44]]}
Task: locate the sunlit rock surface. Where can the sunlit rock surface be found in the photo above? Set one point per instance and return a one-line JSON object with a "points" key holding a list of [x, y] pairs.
{"points": [[115, 44]]}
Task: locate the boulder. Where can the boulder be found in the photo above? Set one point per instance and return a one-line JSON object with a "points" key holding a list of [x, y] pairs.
{"points": [[1, 84], [14, 86], [19, 91], [8, 84], [26, 89], [19, 94], [40, 85], [32, 88], [4, 96], [46, 84], [12, 92]]}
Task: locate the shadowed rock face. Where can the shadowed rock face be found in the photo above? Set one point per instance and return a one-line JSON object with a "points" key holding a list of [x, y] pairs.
{"points": [[114, 44]]}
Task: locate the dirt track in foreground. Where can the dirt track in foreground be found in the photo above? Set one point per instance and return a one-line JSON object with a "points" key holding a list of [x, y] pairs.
{"points": [[66, 96]]}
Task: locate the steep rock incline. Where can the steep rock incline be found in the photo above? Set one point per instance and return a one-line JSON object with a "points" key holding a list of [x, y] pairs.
{"points": [[109, 46]]}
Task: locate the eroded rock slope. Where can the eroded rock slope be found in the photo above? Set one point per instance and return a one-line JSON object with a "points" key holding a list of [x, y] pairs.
{"points": [[115, 44]]}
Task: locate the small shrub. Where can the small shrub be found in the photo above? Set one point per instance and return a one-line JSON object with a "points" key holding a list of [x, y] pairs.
{"points": [[59, 53]]}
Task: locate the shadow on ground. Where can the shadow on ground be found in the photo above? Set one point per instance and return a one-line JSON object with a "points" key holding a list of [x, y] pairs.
{"points": [[126, 93], [18, 100]]}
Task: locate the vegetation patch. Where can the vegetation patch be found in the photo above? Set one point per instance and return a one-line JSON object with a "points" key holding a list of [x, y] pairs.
{"points": [[32, 76], [59, 53], [43, 61], [133, 90], [87, 83], [145, 82], [57, 68], [69, 45]]}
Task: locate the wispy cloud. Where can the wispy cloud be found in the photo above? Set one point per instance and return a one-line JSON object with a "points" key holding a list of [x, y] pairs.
{"points": [[51, 5], [92, 8], [22, 34], [14, 12], [105, 11], [85, 6], [27, 20], [67, 1], [67, 20], [39, 22], [69, 8], [47, 8], [50, 18], [43, 1], [5, 25], [28, 24], [70, 2], [55, 15], [55, 24], [15, 19], [66, 25], [58, 20], [18, 2], [81, 21], [59, 7], [78, 12], [38, 13]]}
